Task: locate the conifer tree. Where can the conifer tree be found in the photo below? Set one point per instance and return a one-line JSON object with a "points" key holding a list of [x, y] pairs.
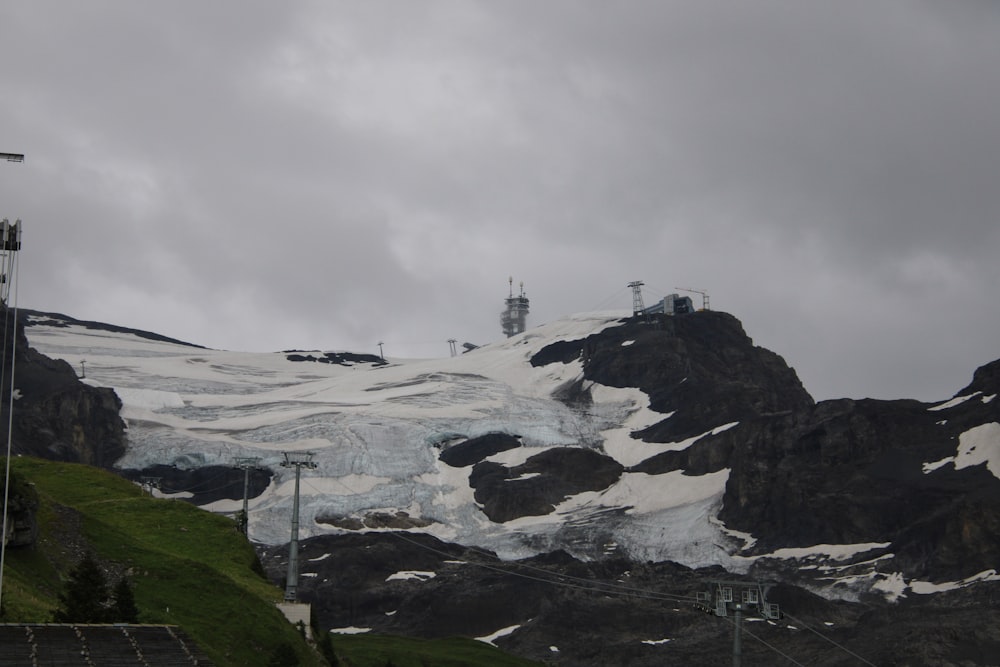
{"points": [[124, 609], [86, 598]]}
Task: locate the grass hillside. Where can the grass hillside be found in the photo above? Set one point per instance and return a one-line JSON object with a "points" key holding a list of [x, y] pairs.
{"points": [[189, 567]]}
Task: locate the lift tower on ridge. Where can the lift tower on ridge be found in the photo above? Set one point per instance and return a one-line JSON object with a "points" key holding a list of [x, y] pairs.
{"points": [[638, 307], [297, 460]]}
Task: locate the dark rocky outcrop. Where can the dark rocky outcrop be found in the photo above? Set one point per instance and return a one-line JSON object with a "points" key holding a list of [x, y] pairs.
{"points": [[700, 366], [539, 484], [22, 505], [474, 450], [615, 611], [206, 484], [339, 358], [857, 471], [56, 416], [838, 472]]}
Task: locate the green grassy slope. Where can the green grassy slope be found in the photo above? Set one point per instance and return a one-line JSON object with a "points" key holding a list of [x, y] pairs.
{"points": [[188, 567]]}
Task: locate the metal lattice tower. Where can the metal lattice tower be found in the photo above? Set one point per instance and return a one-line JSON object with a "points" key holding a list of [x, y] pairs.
{"points": [[297, 460], [739, 598], [637, 306]]}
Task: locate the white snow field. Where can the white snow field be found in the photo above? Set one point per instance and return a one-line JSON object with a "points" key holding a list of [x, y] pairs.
{"points": [[376, 432]]}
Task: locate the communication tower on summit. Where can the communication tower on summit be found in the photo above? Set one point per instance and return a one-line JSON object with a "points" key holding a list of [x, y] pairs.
{"points": [[514, 318]]}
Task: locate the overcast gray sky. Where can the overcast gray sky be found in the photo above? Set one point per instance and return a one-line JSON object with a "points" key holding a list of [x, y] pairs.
{"points": [[268, 175]]}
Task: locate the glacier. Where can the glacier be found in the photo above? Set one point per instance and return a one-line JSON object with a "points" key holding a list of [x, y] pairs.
{"points": [[377, 429]]}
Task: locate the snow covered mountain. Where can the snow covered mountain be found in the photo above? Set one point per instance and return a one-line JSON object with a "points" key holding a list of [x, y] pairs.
{"points": [[608, 438], [378, 431]]}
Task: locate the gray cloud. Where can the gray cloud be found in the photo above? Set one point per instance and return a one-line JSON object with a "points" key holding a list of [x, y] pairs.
{"points": [[330, 174]]}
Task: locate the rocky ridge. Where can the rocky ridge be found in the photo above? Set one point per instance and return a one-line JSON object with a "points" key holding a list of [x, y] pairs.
{"points": [[56, 416]]}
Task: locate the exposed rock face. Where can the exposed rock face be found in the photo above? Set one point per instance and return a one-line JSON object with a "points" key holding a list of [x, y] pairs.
{"points": [[341, 358], [540, 483], [847, 472], [22, 525], [802, 474], [203, 485], [474, 450], [55, 415], [701, 366]]}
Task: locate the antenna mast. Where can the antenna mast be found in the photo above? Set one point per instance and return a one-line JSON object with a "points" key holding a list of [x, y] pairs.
{"points": [[513, 320]]}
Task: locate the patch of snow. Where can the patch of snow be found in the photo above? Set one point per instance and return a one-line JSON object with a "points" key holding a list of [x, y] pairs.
{"points": [[319, 558], [404, 575], [987, 399], [527, 475], [934, 465], [980, 445], [502, 632], [720, 429], [927, 588], [747, 539], [656, 642], [554, 649], [643, 493], [958, 400], [892, 586], [831, 551], [627, 343], [157, 493], [350, 630], [626, 450]]}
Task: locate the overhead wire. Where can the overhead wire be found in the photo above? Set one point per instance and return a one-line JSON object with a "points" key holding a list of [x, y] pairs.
{"points": [[192, 489], [746, 631], [825, 638], [609, 299]]}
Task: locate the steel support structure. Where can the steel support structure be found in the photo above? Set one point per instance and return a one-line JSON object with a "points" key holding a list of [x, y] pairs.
{"points": [[297, 460]]}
